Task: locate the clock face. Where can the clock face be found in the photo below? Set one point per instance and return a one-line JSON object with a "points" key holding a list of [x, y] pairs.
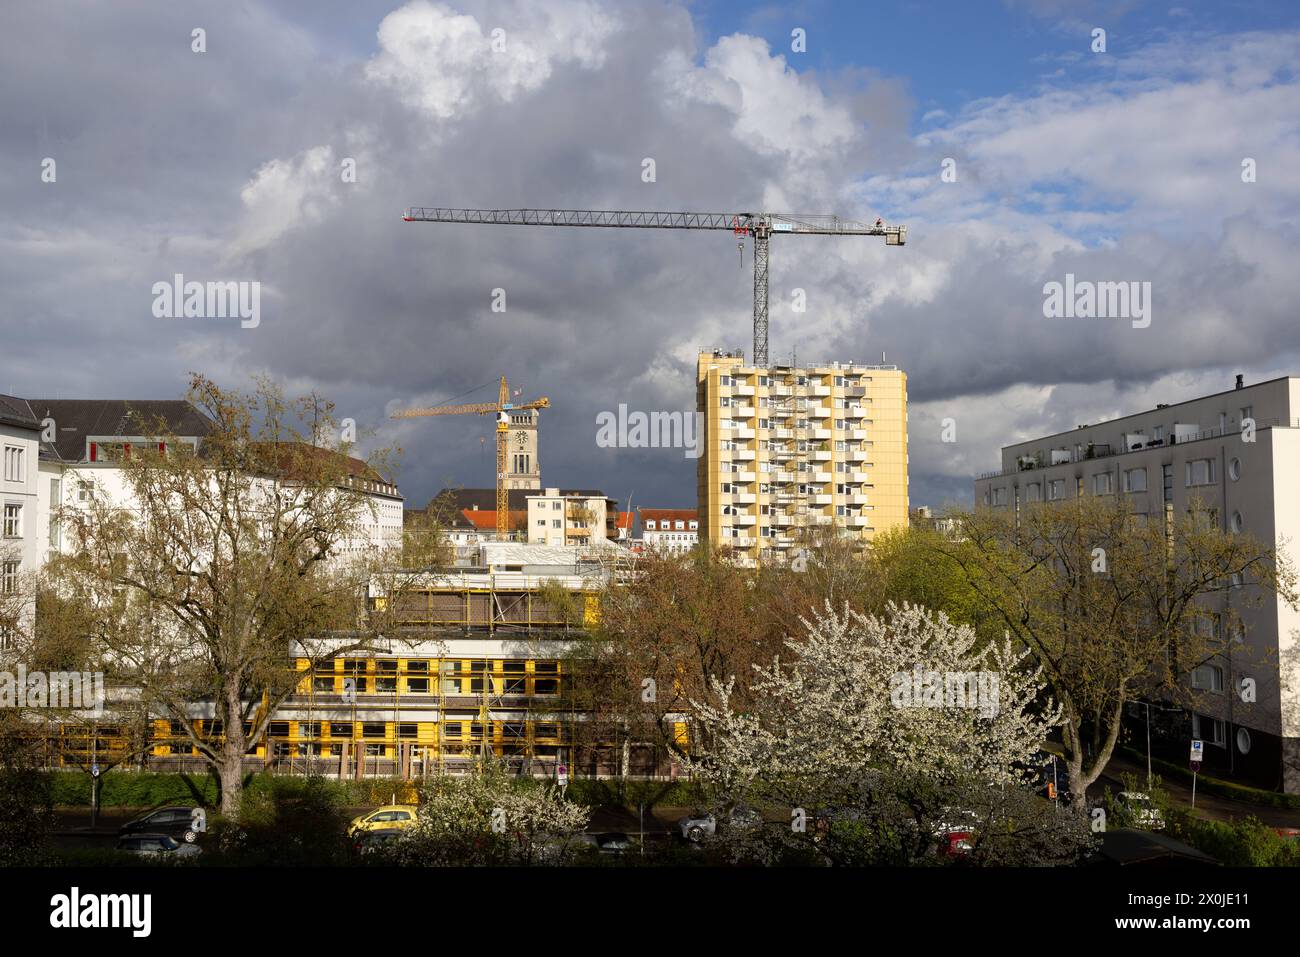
{"points": [[521, 439]]}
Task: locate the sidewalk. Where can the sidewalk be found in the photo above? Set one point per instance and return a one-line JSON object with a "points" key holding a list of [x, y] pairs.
{"points": [[1210, 806]]}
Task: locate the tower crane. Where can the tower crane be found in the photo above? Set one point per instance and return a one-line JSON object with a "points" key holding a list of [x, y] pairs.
{"points": [[761, 226], [501, 408]]}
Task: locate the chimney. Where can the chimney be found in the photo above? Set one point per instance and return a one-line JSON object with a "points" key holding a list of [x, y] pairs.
{"points": [[1241, 383]]}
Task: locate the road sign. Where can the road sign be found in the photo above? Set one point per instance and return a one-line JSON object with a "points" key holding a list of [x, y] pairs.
{"points": [[94, 770], [1198, 750], [562, 775]]}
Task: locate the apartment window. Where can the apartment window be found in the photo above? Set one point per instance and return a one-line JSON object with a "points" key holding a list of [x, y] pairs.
{"points": [[341, 729], [1208, 678], [541, 523], [724, 380], [1200, 472], [1209, 729], [8, 578], [650, 524], [557, 523], [1033, 492], [1000, 496], [555, 506], [1056, 489], [724, 401], [1135, 480], [1101, 484], [14, 463], [13, 522], [1248, 412], [372, 729], [323, 683]]}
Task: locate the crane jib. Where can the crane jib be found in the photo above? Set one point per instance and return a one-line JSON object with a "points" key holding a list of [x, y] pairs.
{"points": [[759, 226]]}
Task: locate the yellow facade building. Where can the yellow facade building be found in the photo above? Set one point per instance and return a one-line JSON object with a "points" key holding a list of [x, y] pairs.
{"points": [[789, 452]]}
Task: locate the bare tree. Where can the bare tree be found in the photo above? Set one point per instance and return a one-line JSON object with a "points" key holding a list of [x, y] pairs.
{"points": [[203, 575]]}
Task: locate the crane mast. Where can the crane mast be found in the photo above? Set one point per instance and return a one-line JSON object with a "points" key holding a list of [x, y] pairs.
{"points": [[759, 226], [501, 409]]}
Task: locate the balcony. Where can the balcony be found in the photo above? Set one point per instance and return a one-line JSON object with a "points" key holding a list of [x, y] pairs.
{"points": [[819, 390], [822, 477], [744, 478], [858, 435], [743, 498], [855, 392], [741, 432], [855, 412], [859, 521], [744, 390], [742, 411], [818, 412], [822, 499], [743, 519], [822, 455], [822, 434], [742, 455]]}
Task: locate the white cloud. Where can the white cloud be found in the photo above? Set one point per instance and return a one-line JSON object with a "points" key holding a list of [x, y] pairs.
{"points": [[444, 62]]}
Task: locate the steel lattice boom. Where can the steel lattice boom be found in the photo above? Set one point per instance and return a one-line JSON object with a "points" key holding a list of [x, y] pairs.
{"points": [[760, 226]]}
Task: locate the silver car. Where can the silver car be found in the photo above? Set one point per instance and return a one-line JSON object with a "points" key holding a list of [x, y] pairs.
{"points": [[157, 845]]}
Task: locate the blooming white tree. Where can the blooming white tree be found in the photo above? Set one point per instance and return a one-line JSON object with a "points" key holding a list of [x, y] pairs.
{"points": [[877, 737], [490, 817]]}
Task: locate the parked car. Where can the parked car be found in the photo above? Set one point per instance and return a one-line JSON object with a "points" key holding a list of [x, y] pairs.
{"points": [[157, 845], [176, 821], [611, 843], [699, 824], [367, 841], [1141, 809], [392, 817], [956, 832]]}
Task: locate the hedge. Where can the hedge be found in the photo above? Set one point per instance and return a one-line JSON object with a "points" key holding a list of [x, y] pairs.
{"points": [[1217, 786]]}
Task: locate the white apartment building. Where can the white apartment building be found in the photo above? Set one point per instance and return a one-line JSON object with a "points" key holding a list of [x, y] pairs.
{"points": [[562, 518], [72, 454], [671, 530], [1238, 452], [20, 553]]}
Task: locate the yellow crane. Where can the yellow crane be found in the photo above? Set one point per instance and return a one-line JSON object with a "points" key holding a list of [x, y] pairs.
{"points": [[501, 408]]}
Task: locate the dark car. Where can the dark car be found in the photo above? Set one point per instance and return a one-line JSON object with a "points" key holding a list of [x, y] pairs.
{"points": [[156, 845], [610, 843], [175, 821], [367, 842]]}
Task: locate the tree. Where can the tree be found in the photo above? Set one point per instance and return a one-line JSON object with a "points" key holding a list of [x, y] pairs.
{"points": [[212, 565], [1112, 606], [861, 764], [662, 637], [490, 817]]}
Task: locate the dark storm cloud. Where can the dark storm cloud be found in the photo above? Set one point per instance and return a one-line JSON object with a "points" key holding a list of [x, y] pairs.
{"points": [[226, 166]]}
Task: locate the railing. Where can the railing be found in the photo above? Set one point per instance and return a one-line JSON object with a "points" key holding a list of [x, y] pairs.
{"points": [[1111, 451]]}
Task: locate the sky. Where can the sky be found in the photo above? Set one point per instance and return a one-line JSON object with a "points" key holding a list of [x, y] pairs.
{"points": [[1017, 144]]}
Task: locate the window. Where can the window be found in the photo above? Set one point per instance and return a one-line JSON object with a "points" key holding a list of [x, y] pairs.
{"points": [[1234, 469], [1208, 678], [8, 578], [1033, 492], [14, 464], [1000, 496], [341, 729], [1101, 484], [650, 525], [1200, 472], [323, 683], [13, 524], [555, 506], [417, 685], [1056, 489], [1238, 523], [372, 729], [557, 523], [1208, 729], [1135, 480]]}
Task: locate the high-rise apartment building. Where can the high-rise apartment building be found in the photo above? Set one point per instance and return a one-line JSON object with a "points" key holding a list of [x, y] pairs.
{"points": [[1237, 452], [788, 451]]}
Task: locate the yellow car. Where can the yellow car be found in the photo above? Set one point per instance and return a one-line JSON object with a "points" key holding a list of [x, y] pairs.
{"points": [[384, 818]]}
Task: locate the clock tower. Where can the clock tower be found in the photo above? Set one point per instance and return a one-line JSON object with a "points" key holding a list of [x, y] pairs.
{"points": [[522, 467]]}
